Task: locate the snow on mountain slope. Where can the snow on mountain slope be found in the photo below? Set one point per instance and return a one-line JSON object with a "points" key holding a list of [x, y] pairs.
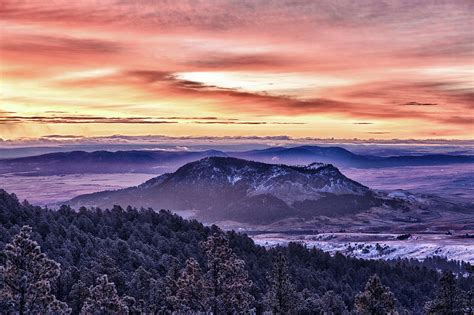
{"points": [[231, 188], [288, 183]]}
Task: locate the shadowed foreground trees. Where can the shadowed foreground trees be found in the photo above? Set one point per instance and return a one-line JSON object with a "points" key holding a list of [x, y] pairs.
{"points": [[449, 299], [376, 299], [138, 248], [26, 278], [281, 295], [228, 280], [225, 288], [192, 292], [103, 299], [331, 303]]}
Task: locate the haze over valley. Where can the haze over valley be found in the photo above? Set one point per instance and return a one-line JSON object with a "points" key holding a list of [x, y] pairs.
{"points": [[400, 194], [448, 172]]}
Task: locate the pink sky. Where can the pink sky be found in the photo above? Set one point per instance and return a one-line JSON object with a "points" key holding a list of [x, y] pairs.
{"points": [[365, 69]]}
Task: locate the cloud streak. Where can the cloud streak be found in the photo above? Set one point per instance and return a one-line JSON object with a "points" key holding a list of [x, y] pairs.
{"points": [[5, 118], [418, 104], [81, 120]]}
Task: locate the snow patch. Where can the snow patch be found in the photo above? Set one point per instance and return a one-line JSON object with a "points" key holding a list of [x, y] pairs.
{"points": [[417, 248]]}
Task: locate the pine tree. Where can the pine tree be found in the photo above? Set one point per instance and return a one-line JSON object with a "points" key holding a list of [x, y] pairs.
{"points": [[26, 278], [449, 299], [103, 299], [469, 302], [332, 304], [308, 302], [134, 307], [150, 294], [192, 289], [140, 283], [376, 299], [281, 296], [171, 285], [78, 295], [157, 299], [228, 280]]}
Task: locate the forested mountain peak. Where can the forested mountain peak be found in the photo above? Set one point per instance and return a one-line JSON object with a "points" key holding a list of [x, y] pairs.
{"points": [[226, 188], [234, 170]]}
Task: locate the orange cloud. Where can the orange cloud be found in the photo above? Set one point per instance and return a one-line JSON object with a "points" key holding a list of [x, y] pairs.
{"points": [[406, 67]]}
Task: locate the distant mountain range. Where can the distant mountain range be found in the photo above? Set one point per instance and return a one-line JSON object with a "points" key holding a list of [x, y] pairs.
{"points": [[160, 161], [344, 158], [80, 162], [225, 188]]}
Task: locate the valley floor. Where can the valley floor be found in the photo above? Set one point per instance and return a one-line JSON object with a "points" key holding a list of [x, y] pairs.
{"points": [[61, 188], [454, 182], [379, 246]]}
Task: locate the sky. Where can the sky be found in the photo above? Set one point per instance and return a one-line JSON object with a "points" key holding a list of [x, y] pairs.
{"points": [[300, 68]]}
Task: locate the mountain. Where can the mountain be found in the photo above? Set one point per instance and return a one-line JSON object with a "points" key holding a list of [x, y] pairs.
{"points": [[343, 158], [80, 162], [303, 155], [224, 188], [161, 161]]}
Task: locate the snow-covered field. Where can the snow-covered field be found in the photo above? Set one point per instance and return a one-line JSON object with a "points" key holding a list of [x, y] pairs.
{"points": [[455, 182], [49, 190], [379, 246]]}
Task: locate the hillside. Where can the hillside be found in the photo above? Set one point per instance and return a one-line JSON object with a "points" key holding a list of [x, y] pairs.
{"points": [[233, 189], [80, 162], [136, 249], [344, 158]]}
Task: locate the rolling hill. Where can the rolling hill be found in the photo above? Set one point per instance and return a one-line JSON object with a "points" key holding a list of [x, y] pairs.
{"points": [[80, 162], [344, 158], [224, 188]]}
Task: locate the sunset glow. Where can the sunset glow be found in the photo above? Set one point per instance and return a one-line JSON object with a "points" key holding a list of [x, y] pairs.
{"points": [[345, 69]]}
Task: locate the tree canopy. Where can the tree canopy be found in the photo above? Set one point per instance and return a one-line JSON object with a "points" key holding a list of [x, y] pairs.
{"points": [[149, 256]]}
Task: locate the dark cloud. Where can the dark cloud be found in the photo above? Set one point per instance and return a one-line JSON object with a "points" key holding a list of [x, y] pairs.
{"points": [[231, 122], [7, 117], [247, 123], [288, 123], [225, 100], [82, 120], [465, 96], [242, 61], [378, 132], [62, 137], [161, 84], [460, 120], [418, 104], [195, 118], [363, 123], [149, 76], [66, 46]]}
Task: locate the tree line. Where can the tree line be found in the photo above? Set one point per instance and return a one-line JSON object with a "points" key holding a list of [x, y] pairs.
{"points": [[27, 276], [141, 261]]}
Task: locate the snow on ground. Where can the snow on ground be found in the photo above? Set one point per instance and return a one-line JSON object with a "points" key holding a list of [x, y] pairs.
{"points": [[455, 181], [48, 190], [379, 246]]}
